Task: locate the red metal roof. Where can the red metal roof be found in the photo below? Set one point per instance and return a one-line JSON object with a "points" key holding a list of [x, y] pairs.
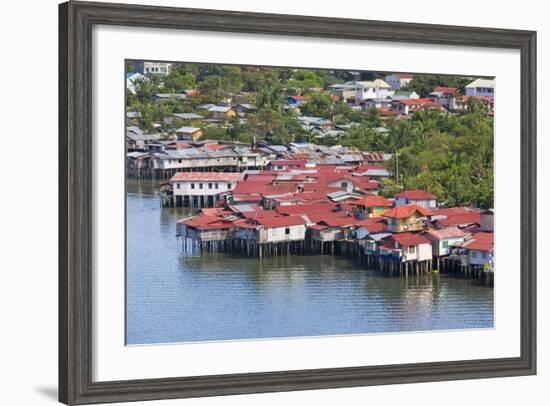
{"points": [[206, 177], [260, 213], [461, 219], [481, 241], [448, 232], [216, 147], [340, 221], [208, 223], [408, 239], [306, 208], [406, 211], [372, 201], [315, 217], [283, 221], [416, 195], [450, 211], [446, 89], [421, 102]]}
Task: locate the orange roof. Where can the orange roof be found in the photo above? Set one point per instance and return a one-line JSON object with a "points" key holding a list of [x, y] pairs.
{"points": [[372, 201], [449, 232], [416, 195], [405, 211]]}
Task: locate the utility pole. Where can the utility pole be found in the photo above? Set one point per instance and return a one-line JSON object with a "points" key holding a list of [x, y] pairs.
{"points": [[397, 168]]}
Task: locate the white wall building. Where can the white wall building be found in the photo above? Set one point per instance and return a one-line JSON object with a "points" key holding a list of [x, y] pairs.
{"points": [[481, 87], [375, 89]]}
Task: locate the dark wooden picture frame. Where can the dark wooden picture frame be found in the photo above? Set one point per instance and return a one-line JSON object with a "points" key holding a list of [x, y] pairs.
{"points": [[76, 20]]}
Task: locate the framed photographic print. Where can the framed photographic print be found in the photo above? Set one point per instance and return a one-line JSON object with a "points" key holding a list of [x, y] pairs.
{"points": [[259, 202]]}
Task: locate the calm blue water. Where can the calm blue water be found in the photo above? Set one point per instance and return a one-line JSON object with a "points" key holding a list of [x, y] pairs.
{"points": [[174, 296]]}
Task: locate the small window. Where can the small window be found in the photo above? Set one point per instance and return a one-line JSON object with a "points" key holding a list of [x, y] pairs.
{"points": [[216, 185], [344, 184], [484, 255], [210, 186], [200, 185], [473, 254], [287, 231], [229, 185], [445, 244], [192, 186], [412, 249], [177, 185]]}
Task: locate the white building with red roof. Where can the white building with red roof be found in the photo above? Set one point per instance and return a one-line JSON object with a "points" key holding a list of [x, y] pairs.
{"points": [[442, 240], [407, 247], [419, 197], [202, 189]]}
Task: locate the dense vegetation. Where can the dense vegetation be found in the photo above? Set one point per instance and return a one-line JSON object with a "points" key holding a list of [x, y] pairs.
{"points": [[451, 155]]}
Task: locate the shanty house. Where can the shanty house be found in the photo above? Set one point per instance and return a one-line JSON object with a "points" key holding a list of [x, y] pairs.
{"points": [[189, 133], [446, 96], [222, 112], [206, 228], [372, 206], [479, 249], [406, 218], [419, 197], [281, 229], [407, 247], [333, 229], [445, 238]]}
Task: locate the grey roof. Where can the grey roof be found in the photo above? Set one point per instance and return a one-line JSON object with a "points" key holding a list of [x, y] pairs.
{"points": [[170, 95], [133, 114], [205, 106], [134, 130], [143, 136], [136, 154], [219, 109], [377, 172], [187, 130], [188, 116], [278, 148], [378, 236], [352, 157]]}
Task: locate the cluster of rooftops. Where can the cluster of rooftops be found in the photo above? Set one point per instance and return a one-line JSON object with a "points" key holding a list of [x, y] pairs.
{"points": [[388, 96], [291, 202]]}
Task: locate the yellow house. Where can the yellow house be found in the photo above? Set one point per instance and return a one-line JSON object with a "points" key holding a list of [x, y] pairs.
{"points": [[372, 206], [405, 218], [222, 112]]}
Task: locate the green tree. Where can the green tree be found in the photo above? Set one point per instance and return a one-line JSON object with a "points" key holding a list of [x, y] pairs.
{"points": [[318, 104]]}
